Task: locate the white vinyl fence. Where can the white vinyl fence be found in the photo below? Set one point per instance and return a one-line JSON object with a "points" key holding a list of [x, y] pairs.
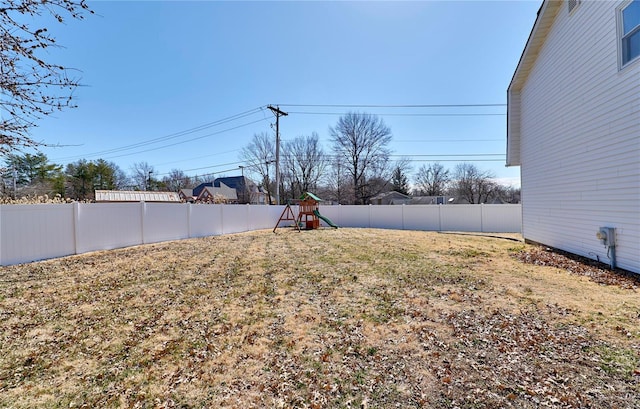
{"points": [[41, 231]]}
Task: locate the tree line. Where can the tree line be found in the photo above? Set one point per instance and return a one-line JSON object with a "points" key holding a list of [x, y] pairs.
{"points": [[28, 174], [358, 167]]}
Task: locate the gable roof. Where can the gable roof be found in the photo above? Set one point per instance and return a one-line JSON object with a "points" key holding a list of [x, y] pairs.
{"points": [[224, 191], [198, 189], [237, 182], [541, 27], [311, 195], [391, 197], [392, 194], [434, 200], [186, 193], [234, 182]]}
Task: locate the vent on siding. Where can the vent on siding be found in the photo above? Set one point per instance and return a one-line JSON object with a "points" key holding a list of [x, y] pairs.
{"points": [[572, 4]]}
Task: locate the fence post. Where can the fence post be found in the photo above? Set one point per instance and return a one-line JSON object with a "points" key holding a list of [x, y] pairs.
{"points": [[481, 217], [1, 208], [439, 217], [76, 227], [142, 217], [221, 218], [249, 222], [188, 220]]}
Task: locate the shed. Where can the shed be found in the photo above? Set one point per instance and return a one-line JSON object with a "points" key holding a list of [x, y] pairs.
{"points": [[136, 196]]}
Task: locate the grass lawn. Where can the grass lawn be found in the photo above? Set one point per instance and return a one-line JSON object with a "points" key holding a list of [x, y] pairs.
{"points": [[347, 318]]}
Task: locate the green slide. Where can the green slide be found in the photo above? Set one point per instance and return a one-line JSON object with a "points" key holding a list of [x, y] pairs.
{"points": [[329, 222]]}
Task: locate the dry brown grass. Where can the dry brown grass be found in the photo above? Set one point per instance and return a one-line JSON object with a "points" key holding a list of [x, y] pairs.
{"points": [[319, 319]]}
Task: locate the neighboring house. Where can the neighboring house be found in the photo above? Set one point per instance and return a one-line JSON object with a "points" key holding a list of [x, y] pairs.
{"points": [[198, 189], [433, 200], [136, 196], [246, 190], [217, 194], [186, 195], [390, 198], [574, 128], [396, 198]]}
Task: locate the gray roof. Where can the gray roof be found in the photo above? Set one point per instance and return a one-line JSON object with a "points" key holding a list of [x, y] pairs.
{"points": [[443, 199], [186, 192], [223, 190], [392, 194]]}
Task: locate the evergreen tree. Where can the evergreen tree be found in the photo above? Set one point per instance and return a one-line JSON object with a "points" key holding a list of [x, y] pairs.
{"points": [[400, 181]]}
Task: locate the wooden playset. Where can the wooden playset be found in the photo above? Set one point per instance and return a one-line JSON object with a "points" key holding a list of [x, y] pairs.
{"points": [[308, 214]]}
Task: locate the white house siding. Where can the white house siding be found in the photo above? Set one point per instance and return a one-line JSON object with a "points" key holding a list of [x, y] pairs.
{"points": [[513, 143], [580, 138]]}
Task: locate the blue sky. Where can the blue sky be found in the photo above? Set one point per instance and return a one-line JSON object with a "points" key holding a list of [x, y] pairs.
{"points": [[153, 69]]}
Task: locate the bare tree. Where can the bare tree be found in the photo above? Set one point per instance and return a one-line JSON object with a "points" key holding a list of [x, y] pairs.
{"points": [[31, 87], [337, 186], [259, 158], [432, 180], [176, 180], [508, 194], [304, 163], [361, 140], [121, 179], [142, 176], [472, 184]]}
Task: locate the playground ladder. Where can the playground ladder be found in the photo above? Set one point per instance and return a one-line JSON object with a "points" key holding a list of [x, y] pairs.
{"points": [[287, 214]]}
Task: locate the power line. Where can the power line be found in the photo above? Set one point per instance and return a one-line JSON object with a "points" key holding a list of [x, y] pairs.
{"points": [[202, 175], [433, 140], [204, 167], [252, 164], [394, 106], [410, 159], [446, 140], [445, 155], [392, 114], [458, 160], [187, 140], [192, 158], [261, 109], [170, 136]]}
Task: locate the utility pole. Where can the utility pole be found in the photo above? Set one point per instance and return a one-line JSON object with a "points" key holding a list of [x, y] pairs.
{"points": [[278, 113], [244, 184], [268, 190]]}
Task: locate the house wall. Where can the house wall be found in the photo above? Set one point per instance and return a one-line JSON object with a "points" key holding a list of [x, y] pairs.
{"points": [[580, 138]]}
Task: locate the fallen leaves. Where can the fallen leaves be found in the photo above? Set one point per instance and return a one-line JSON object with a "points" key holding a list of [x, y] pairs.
{"points": [[543, 256], [351, 318]]}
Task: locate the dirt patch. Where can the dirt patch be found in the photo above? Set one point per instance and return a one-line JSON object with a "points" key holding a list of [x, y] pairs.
{"points": [[318, 319]]}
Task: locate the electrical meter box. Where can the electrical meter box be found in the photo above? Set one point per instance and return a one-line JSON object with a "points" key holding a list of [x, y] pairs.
{"points": [[606, 235]]}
